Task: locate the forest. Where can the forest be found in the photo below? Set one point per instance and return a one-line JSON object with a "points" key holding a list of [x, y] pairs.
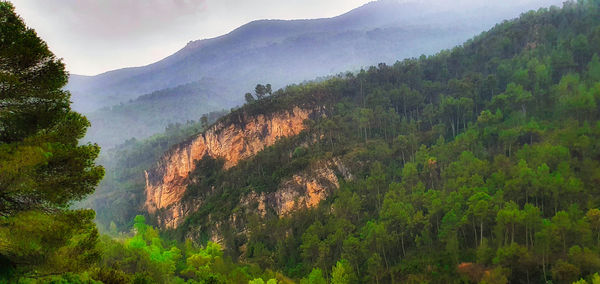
{"points": [[480, 164]]}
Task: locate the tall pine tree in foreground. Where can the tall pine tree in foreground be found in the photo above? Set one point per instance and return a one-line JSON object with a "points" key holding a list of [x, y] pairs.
{"points": [[43, 168]]}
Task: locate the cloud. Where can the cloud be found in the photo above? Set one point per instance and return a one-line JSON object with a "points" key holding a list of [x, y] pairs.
{"points": [[113, 18], [99, 35]]}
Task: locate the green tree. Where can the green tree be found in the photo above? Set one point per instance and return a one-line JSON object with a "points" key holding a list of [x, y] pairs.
{"points": [[561, 225], [376, 180], [593, 72], [564, 272], [342, 273], [593, 216], [204, 121], [315, 277], [397, 217], [532, 218], [375, 268], [352, 253], [479, 207], [508, 138], [261, 90], [410, 175], [581, 49], [44, 168], [575, 98], [515, 98], [594, 280], [249, 98], [448, 235], [507, 220]]}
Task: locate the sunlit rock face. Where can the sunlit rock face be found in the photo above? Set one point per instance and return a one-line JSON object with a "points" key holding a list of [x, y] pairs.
{"points": [[304, 190], [309, 188], [167, 181]]}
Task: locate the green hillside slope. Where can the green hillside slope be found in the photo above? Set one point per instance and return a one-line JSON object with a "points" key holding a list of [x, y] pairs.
{"points": [[481, 163]]}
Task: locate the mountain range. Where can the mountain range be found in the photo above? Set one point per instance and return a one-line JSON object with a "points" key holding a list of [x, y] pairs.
{"points": [[213, 74]]}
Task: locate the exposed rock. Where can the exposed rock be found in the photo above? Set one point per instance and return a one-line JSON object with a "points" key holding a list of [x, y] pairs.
{"points": [[172, 215], [167, 181], [303, 190], [253, 202]]}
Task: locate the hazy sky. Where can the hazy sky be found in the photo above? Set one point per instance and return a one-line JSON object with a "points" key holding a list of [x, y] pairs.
{"points": [[95, 36]]}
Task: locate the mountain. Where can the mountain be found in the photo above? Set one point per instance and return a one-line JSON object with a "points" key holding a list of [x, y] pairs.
{"points": [[277, 52], [152, 113], [480, 164]]}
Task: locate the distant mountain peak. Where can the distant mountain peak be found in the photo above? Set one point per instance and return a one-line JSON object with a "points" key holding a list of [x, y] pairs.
{"points": [[279, 52]]}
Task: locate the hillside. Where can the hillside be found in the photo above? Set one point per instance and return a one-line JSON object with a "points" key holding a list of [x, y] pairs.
{"points": [[277, 52], [480, 163]]}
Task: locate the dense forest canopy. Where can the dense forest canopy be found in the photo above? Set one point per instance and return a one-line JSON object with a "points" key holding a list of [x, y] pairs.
{"points": [[480, 164]]}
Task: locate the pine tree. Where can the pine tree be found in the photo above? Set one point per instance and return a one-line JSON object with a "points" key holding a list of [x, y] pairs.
{"points": [[44, 168]]}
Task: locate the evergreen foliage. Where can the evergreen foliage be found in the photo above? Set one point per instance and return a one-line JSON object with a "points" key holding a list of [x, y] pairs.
{"points": [[43, 168]]}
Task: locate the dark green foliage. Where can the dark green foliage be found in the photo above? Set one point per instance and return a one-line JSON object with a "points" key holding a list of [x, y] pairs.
{"points": [[38, 131], [43, 168], [249, 98]]}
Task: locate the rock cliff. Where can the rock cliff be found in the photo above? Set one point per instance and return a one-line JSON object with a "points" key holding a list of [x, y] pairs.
{"points": [[303, 190], [167, 181]]}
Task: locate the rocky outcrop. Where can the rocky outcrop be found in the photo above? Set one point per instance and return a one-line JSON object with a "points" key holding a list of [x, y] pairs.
{"points": [[303, 190], [167, 181], [308, 189], [173, 214]]}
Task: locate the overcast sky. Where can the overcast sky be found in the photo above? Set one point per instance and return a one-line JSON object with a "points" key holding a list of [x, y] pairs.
{"points": [[94, 36]]}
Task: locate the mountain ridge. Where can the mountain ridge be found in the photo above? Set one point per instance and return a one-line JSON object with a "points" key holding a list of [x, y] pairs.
{"points": [[128, 83]]}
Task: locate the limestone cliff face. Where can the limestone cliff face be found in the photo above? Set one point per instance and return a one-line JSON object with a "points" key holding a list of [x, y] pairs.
{"points": [[309, 188], [167, 181], [303, 190]]}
